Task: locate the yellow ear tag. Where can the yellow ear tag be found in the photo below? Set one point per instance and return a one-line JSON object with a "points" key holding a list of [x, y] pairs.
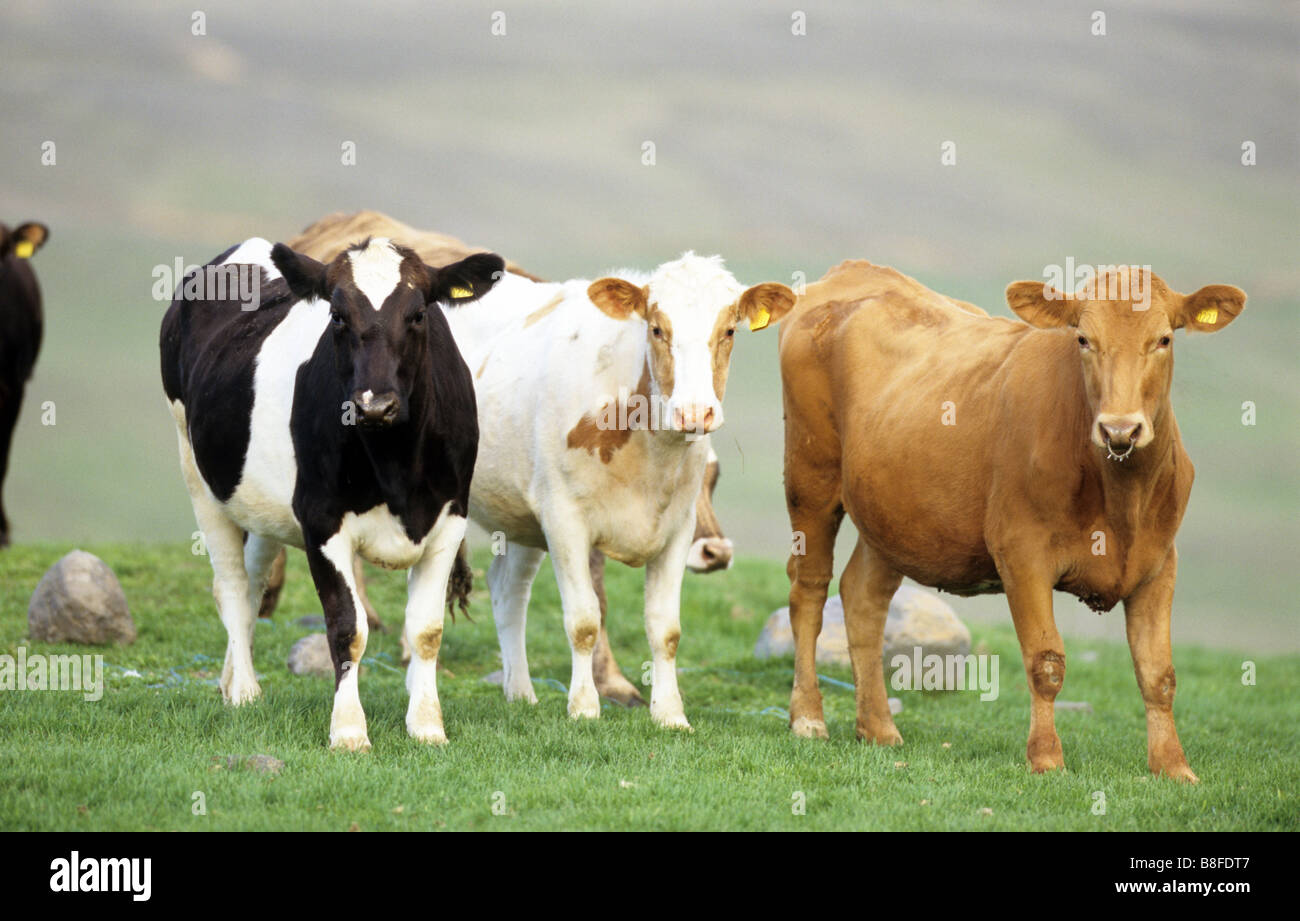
{"points": [[1209, 316], [761, 320], [461, 292], [24, 249]]}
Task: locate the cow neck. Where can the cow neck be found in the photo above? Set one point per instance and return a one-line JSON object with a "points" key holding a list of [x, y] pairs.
{"points": [[399, 456], [1133, 487]]}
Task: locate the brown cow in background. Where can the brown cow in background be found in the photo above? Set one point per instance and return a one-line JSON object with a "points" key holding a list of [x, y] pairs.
{"points": [[981, 454], [710, 550]]}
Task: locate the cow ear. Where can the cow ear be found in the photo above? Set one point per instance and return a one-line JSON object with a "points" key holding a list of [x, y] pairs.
{"points": [[1041, 305], [465, 281], [304, 275], [1209, 309], [27, 239], [618, 298], [766, 303]]}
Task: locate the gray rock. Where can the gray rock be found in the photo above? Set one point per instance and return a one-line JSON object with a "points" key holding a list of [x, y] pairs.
{"points": [[79, 600], [311, 656], [497, 677], [916, 618]]}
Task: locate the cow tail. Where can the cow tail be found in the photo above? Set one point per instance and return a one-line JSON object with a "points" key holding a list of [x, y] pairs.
{"points": [[460, 584]]}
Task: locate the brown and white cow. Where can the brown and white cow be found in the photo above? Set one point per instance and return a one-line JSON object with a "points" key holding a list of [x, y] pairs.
{"points": [[982, 454], [710, 549]]}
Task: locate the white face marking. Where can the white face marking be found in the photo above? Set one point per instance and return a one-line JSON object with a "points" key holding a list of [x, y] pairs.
{"points": [[376, 270], [692, 292]]}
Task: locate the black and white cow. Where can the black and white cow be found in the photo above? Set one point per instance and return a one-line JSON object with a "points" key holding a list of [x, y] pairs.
{"points": [[337, 416], [20, 334]]}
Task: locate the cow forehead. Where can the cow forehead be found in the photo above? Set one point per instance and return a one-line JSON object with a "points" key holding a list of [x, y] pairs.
{"points": [[1125, 317], [376, 270], [692, 291]]}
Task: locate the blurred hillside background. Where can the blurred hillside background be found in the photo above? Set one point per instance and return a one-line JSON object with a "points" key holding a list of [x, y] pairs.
{"points": [[786, 153]]}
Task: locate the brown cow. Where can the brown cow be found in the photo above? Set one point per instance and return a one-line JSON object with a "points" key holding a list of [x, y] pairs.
{"points": [[980, 454], [710, 550]]}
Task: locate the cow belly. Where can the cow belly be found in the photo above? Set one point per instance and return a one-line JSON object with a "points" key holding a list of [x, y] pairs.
{"points": [[265, 512]]}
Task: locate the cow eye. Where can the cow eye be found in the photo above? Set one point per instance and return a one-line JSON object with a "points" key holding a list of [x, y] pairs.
{"points": [[732, 331], [1083, 342], [656, 332], [337, 319], [417, 318], [1165, 342]]}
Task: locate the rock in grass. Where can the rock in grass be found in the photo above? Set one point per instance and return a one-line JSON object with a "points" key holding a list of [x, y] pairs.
{"points": [[79, 600], [916, 618], [311, 656]]}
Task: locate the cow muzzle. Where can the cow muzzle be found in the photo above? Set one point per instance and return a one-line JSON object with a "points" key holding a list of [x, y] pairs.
{"points": [[696, 418], [1121, 435], [709, 554], [377, 410]]}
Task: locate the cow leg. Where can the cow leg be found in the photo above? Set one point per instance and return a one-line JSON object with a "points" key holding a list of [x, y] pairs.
{"points": [[9, 407], [274, 585], [261, 556], [810, 575], [570, 551], [609, 678], [346, 628], [663, 627], [372, 616], [510, 584], [225, 544], [1146, 616], [866, 588], [1030, 599], [426, 607]]}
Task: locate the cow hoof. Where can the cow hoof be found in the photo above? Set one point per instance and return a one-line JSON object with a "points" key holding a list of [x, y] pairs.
{"points": [[1045, 765], [806, 728], [430, 735], [352, 740], [674, 722], [239, 694], [889, 736], [527, 695], [587, 707], [1180, 772], [621, 691]]}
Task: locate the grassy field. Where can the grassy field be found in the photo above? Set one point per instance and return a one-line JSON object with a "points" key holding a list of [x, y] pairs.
{"points": [[135, 759]]}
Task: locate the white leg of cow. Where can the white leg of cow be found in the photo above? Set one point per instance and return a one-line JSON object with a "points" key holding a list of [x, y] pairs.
{"points": [[225, 544], [510, 583], [346, 626], [426, 605], [663, 600], [570, 550]]}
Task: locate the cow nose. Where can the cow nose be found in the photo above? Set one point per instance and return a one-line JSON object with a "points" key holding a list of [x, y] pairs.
{"points": [[377, 409], [1120, 435], [693, 418], [709, 554]]}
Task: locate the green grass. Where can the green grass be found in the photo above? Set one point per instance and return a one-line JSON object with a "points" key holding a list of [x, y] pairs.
{"points": [[134, 759]]}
